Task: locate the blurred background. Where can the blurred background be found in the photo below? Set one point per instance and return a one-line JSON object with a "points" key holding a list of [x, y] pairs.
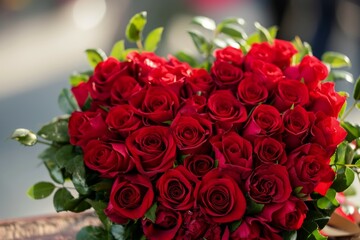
{"points": [[43, 42]]}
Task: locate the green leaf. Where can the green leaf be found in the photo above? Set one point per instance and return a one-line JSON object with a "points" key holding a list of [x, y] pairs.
{"points": [[328, 201], [67, 102], [229, 21], [99, 207], [48, 157], [353, 131], [136, 26], [64, 155], [340, 75], [273, 31], [153, 38], [357, 163], [289, 235], [184, 57], [95, 56], [336, 60], [201, 44], [118, 231], [344, 178], [61, 198], [234, 225], [91, 233], [76, 78], [356, 93], [234, 31], [118, 49], [341, 153], [24, 136], [264, 33], [56, 131], [253, 207], [41, 190], [75, 164], [151, 213], [220, 43], [79, 176], [103, 185], [204, 22]]}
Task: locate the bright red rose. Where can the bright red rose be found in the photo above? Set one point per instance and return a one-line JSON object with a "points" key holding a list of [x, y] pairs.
{"points": [[176, 187], [152, 149], [226, 110], [284, 50], [199, 80], [124, 87], [292, 72], [219, 197], [290, 93], [158, 104], [230, 54], [259, 51], [226, 75], [269, 151], [325, 99], [233, 151], [85, 126], [130, 198], [109, 159], [195, 102], [312, 70], [251, 92], [266, 73], [166, 225], [269, 184], [287, 215], [265, 120], [122, 119], [81, 93], [191, 132], [199, 164], [308, 166]]}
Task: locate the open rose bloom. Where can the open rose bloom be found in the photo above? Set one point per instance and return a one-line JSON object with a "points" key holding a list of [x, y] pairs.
{"points": [[238, 149]]}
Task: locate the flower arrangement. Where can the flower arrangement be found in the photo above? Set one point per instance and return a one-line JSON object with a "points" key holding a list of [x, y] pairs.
{"points": [[246, 141]]}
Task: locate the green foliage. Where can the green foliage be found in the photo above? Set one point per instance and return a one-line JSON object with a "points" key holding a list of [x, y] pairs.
{"points": [[135, 27], [153, 39], [234, 225], [340, 75], [336, 60], [41, 190], [24, 136], [328, 201], [95, 56], [118, 50], [201, 44], [353, 130], [76, 78], [151, 213], [184, 57], [204, 22], [356, 94], [289, 235], [92, 233], [99, 207], [344, 178], [252, 207], [56, 131], [118, 231], [48, 157], [67, 102]]}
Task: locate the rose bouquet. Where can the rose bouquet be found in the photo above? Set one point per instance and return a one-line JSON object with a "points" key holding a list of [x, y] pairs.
{"points": [[245, 141]]}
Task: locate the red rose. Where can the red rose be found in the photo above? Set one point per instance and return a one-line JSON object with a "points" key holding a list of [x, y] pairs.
{"points": [[199, 164], [269, 151], [226, 110], [195, 102], [166, 225], [130, 198], [199, 80], [225, 74], [297, 124], [109, 159], [220, 198], [259, 51], [230, 54], [254, 229], [265, 120], [251, 92], [175, 188], [308, 166], [81, 93], [269, 183], [284, 50], [325, 99], [292, 72], [312, 70], [124, 87], [290, 93], [288, 215], [85, 126], [233, 151], [195, 225], [266, 73], [122, 119], [158, 104], [153, 149], [191, 132]]}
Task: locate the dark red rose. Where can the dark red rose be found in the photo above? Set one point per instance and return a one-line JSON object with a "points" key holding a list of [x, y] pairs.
{"points": [[122, 119], [287, 215], [259, 51], [266, 73], [109, 159], [265, 120], [153, 149], [308, 166], [251, 92], [327, 132], [220, 198], [230, 54], [290, 93], [214, 232], [199, 164], [225, 74], [199, 80], [124, 87], [166, 225], [253, 229], [326, 99], [158, 104], [130, 198], [191, 132], [312, 70], [297, 124], [226, 110], [233, 150], [195, 224], [81, 93], [284, 50], [176, 188], [269, 151], [85, 126], [269, 184], [195, 102]]}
